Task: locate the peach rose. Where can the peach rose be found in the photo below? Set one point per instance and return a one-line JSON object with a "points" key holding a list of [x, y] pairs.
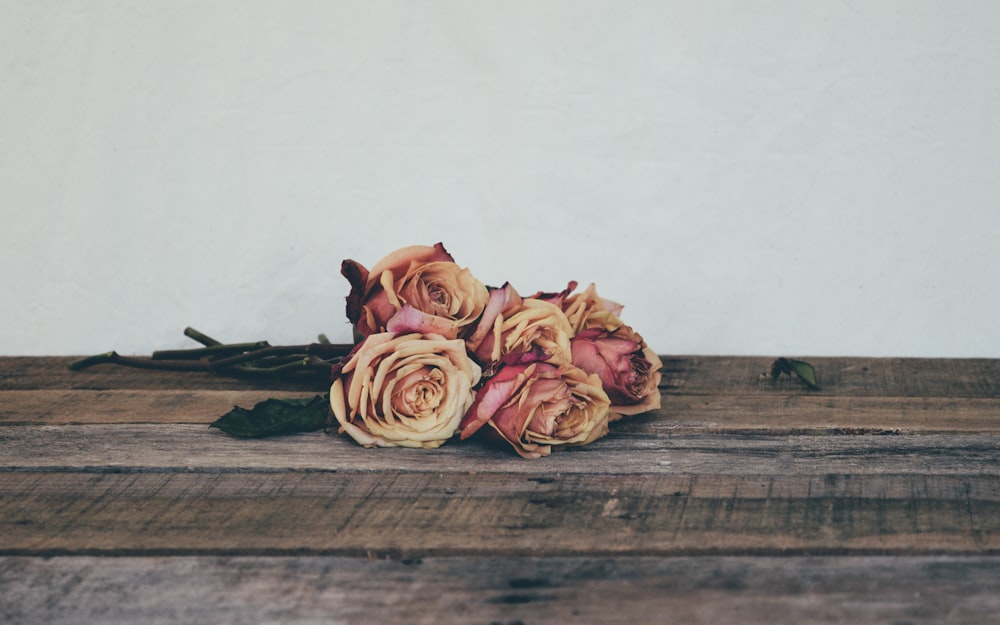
{"points": [[410, 390], [520, 330], [629, 370], [537, 406], [423, 284]]}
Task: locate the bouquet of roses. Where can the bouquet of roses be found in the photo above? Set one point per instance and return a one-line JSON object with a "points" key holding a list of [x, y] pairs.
{"points": [[439, 354]]}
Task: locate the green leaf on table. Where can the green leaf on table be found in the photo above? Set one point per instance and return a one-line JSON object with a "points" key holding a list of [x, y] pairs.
{"points": [[800, 368], [272, 417]]}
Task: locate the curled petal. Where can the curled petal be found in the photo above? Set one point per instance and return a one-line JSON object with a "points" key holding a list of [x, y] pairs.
{"points": [[400, 261], [501, 301], [408, 319], [652, 399], [490, 398], [357, 276], [556, 297], [588, 309]]}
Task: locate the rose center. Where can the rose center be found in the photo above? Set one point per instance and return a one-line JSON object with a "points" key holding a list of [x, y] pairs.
{"points": [[420, 395], [438, 298], [639, 375], [552, 411]]}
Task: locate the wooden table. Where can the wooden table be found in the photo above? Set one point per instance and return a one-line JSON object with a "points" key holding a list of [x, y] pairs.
{"points": [[874, 500]]}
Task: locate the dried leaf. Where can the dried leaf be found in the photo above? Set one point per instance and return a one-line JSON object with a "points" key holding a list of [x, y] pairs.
{"points": [[800, 368], [272, 417]]}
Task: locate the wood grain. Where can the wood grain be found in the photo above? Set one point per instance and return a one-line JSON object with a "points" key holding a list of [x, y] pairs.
{"points": [[196, 447], [416, 514], [63, 407], [52, 372], [876, 499], [802, 413], [687, 375], [485, 591]]}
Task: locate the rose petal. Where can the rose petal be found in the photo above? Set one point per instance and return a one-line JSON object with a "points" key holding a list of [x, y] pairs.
{"points": [[556, 297], [494, 394], [357, 276], [409, 319], [502, 299], [399, 261]]}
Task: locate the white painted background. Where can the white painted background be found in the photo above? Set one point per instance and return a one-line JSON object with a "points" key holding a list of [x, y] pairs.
{"points": [[748, 177]]}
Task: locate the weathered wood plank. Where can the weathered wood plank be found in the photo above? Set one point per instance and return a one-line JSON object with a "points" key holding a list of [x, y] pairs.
{"points": [[52, 372], [869, 377], [788, 413], [415, 514], [63, 407], [858, 377], [480, 591], [189, 447], [816, 414]]}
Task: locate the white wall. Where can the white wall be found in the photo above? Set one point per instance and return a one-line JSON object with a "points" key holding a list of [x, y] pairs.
{"points": [[748, 177]]}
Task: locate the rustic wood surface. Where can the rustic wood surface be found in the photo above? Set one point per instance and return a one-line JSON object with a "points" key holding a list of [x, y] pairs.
{"points": [[874, 500]]}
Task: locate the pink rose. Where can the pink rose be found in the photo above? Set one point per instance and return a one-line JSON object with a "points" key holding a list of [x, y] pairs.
{"points": [[408, 391], [537, 406], [629, 370], [421, 283]]}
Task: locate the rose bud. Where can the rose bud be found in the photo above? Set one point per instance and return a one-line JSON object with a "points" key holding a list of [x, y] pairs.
{"points": [[628, 369], [525, 330], [441, 297], [540, 405], [408, 391]]}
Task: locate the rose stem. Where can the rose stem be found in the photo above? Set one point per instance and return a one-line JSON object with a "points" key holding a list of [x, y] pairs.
{"points": [[204, 339], [307, 364], [214, 350], [141, 363], [251, 358], [313, 349]]}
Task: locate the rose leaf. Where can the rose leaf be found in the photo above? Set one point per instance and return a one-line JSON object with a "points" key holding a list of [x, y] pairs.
{"points": [[272, 417]]}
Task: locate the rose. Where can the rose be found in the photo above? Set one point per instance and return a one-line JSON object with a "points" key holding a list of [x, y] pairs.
{"points": [[629, 370], [410, 390], [588, 309], [537, 406], [423, 284], [520, 330]]}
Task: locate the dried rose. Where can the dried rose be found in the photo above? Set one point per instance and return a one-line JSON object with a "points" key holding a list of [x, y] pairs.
{"points": [[628, 368], [520, 330], [423, 283], [537, 406], [410, 390]]}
